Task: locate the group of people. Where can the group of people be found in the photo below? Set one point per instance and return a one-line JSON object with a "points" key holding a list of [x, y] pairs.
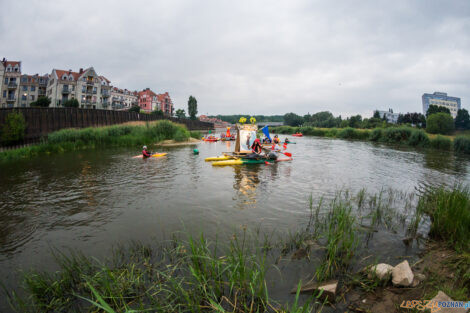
{"points": [[257, 148]]}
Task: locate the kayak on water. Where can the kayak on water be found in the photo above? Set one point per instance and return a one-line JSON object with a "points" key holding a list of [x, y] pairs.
{"points": [[297, 135], [220, 158], [155, 155], [248, 161]]}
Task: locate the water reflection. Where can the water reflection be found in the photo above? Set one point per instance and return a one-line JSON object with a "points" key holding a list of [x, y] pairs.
{"points": [[246, 182]]}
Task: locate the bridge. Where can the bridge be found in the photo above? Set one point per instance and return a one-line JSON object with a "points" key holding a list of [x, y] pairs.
{"points": [[273, 124]]}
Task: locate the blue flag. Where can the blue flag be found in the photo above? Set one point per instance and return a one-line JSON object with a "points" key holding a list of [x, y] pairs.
{"points": [[265, 131]]}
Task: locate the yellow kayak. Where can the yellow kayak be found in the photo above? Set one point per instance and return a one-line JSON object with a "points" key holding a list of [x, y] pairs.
{"points": [[220, 158], [228, 162], [156, 155]]}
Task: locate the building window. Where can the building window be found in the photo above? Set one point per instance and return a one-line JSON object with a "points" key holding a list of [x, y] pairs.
{"points": [[25, 88], [33, 88], [23, 97], [24, 79], [32, 97], [4, 94], [6, 80]]}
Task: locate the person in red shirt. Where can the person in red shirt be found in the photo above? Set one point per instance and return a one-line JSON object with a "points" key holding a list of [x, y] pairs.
{"points": [[256, 146], [145, 152]]}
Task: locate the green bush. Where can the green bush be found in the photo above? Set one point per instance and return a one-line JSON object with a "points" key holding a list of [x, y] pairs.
{"points": [[181, 134], [348, 133], [71, 103], [195, 134], [441, 143], [396, 134], [311, 131], [440, 123], [14, 128], [376, 134], [418, 138], [134, 108], [462, 144], [331, 132]]}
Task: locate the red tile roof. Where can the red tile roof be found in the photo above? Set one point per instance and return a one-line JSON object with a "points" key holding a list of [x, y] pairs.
{"points": [[12, 63], [61, 73], [105, 79]]}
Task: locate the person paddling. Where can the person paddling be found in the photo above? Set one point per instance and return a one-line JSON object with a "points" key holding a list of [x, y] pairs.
{"points": [[145, 152], [256, 147]]}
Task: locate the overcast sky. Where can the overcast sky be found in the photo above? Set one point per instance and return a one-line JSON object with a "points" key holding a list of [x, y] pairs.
{"points": [[253, 57]]}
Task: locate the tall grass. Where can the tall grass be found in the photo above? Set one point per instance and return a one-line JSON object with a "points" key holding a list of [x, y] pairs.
{"points": [[441, 143], [118, 135], [181, 276], [462, 144], [449, 210]]}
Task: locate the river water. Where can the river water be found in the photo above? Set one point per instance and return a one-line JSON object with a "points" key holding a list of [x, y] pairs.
{"points": [[91, 200]]}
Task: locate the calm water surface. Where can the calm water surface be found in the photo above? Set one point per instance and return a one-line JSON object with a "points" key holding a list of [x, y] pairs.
{"points": [[91, 200]]}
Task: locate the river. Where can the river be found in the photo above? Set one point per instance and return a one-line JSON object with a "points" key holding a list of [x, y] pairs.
{"points": [[91, 200]]}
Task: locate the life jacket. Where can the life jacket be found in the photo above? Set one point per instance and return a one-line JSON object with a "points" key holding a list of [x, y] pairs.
{"points": [[145, 153], [285, 145]]}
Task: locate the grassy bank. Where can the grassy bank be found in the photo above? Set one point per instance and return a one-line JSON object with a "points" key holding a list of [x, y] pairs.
{"points": [[126, 135], [395, 135], [199, 275]]}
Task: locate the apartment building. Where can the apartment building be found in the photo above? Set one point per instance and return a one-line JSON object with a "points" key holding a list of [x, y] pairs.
{"points": [[441, 99], [91, 91], [123, 99], [10, 72], [165, 103], [31, 88], [148, 101]]}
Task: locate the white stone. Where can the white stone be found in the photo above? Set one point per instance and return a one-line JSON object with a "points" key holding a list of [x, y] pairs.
{"points": [[382, 271], [443, 297], [402, 275], [329, 290]]}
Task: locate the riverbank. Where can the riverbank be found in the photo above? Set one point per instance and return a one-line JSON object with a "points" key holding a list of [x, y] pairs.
{"points": [[133, 134], [393, 135], [199, 274]]}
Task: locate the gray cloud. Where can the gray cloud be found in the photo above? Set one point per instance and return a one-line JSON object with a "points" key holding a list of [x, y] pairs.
{"points": [[258, 57]]}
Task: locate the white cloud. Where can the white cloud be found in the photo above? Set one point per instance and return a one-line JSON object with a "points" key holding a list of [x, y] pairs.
{"points": [[258, 57]]}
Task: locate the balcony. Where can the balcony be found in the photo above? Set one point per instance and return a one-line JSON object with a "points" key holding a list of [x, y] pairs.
{"points": [[11, 99], [94, 92], [12, 85], [90, 82], [42, 92], [65, 91], [105, 95]]}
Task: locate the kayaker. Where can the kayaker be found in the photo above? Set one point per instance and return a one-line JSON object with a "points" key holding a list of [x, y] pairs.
{"points": [[276, 139], [256, 146], [287, 140], [145, 152]]}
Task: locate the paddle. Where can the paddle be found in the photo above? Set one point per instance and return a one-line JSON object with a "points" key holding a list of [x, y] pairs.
{"points": [[286, 153]]}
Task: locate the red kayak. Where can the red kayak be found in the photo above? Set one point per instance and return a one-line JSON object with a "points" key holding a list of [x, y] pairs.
{"points": [[297, 135]]}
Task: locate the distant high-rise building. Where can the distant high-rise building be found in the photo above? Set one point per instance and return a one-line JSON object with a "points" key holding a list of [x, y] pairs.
{"points": [[441, 99]]}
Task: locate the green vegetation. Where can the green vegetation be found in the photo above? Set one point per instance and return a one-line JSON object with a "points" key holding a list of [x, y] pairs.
{"points": [[118, 135], [71, 103], [403, 135], [180, 113], [441, 143], [440, 123], [42, 102], [462, 144], [157, 112], [134, 108], [195, 275], [13, 129], [433, 109], [192, 107], [462, 120]]}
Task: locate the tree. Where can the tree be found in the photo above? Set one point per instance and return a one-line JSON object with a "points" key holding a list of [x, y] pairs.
{"points": [[440, 123], [134, 108], [192, 107], [72, 103], [293, 119], [180, 113], [157, 112], [14, 128], [462, 120], [355, 121], [436, 109], [376, 114], [42, 101]]}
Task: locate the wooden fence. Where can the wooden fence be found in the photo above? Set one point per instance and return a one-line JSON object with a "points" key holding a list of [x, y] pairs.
{"points": [[41, 121]]}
